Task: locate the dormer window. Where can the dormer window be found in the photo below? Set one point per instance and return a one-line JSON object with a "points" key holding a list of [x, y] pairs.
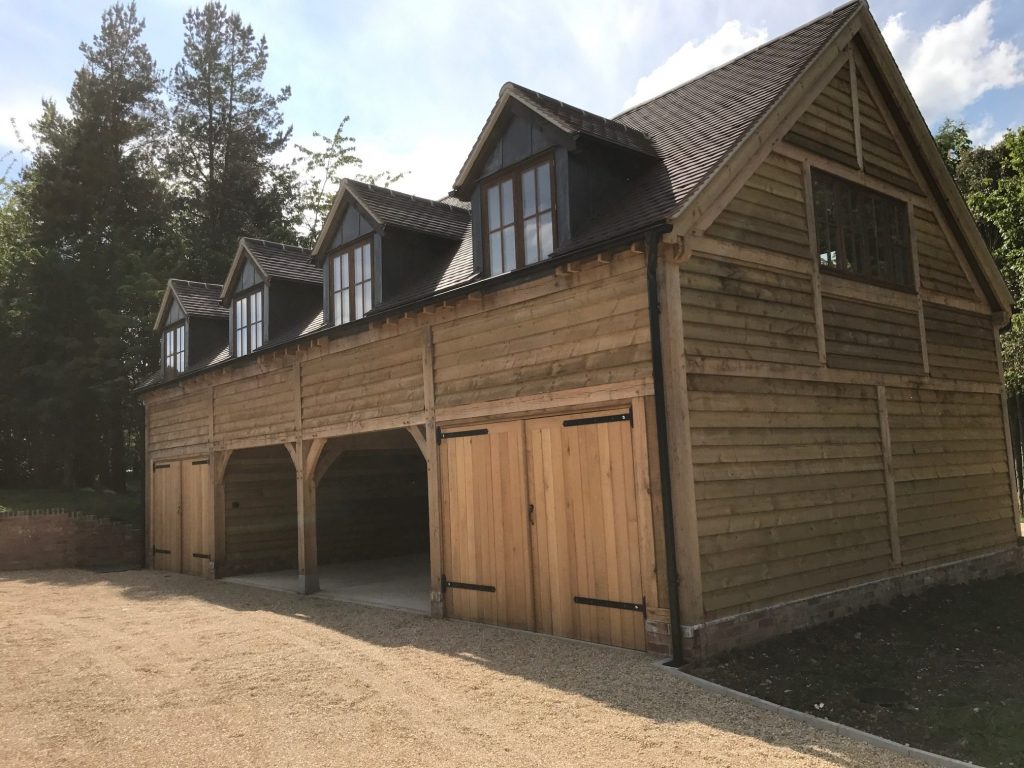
{"points": [[247, 313], [520, 217], [174, 349], [351, 283]]}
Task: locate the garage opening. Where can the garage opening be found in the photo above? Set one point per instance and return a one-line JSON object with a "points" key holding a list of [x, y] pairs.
{"points": [[372, 522]]}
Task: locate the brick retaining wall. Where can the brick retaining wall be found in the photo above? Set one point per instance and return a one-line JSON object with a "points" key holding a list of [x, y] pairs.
{"points": [[58, 538]]}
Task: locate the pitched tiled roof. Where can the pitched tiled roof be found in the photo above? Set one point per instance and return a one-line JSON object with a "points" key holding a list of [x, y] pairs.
{"points": [[575, 120], [199, 299], [398, 209], [287, 262], [695, 126]]}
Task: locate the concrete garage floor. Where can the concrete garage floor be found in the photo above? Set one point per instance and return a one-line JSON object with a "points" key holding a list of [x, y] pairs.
{"points": [[392, 582]]}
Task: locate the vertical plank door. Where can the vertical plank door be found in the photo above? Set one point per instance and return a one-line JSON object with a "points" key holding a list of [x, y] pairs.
{"points": [[484, 524], [166, 500], [586, 544], [196, 511]]}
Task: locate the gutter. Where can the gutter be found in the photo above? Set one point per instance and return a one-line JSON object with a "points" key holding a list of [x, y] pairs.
{"points": [[651, 239]]}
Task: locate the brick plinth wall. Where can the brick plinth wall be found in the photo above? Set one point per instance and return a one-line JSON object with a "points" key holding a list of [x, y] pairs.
{"points": [[56, 538], [720, 635]]}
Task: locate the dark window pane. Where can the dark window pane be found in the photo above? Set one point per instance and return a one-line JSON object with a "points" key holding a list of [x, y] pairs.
{"points": [[507, 203], [544, 187], [494, 248], [529, 181], [859, 231], [493, 209], [547, 235]]}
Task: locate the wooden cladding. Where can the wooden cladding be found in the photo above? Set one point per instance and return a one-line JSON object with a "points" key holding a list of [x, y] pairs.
{"points": [[261, 517], [827, 127], [870, 337], [790, 488], [556, 334], [742, 311], [951, 473], [961, 345]]}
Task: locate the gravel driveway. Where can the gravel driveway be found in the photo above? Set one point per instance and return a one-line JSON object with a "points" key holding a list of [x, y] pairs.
{"points": [[150, 669]]}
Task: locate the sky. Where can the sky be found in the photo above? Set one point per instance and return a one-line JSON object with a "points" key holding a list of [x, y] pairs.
{"points": [[418, 79]]}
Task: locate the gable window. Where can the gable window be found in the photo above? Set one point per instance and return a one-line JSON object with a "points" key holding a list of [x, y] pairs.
{"points": [[519, 218], [861, 233], [351, 283], [248, 320], [174, 348]]}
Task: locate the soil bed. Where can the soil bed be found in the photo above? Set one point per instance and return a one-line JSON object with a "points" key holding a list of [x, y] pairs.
{"points": [[943, 671]]}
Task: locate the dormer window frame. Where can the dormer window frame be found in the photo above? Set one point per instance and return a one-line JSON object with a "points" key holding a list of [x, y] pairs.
{"points": [[175, 360], [511, 179], [254, 336], [350, 299]]}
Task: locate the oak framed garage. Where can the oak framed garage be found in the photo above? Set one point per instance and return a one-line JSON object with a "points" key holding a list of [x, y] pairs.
{"points": [[716, 410]]}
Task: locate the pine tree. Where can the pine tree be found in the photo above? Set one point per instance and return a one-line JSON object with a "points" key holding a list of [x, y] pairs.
{"points": [[226, 131], [97, 208]]}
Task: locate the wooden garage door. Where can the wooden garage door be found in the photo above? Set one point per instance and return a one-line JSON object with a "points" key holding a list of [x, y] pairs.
{"points": [[182, 500], [586, 541], [166, 519], [196, 516], [540, 527], [486, 543]]}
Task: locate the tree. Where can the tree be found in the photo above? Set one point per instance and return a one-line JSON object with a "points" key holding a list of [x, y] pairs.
{"points": [[98, 250], [991, 180], [226, 131]]}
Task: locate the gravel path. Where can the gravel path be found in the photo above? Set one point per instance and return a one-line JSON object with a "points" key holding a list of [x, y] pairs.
{"points": [[150, 669]]}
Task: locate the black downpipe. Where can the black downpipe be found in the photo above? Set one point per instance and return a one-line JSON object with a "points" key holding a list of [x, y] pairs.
{"points": [[651, 240]]}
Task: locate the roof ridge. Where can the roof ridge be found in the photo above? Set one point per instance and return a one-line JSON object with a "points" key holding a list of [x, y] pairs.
{"points": [[275, 244], [566, 104], [196, 282], [407, 195], [745, 54]]}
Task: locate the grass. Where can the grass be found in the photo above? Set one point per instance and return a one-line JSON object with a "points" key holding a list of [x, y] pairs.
{"points": [[942, 671], [126, 507]]}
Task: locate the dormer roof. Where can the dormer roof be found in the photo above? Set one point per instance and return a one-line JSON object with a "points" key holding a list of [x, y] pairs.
{"points": [[571, 121], [274, 261], [387, 208], [195, 299]]}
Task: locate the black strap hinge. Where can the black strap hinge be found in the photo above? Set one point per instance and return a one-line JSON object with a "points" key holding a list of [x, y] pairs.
{"points": [[640, 607], [197, 462], [628, 416], [464, 433], [446, 585], [158, 551], [201, 557]]}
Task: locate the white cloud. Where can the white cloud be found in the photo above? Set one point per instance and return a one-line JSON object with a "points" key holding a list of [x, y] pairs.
{"points": [[952, 65], [697, 57], [984, 133]]}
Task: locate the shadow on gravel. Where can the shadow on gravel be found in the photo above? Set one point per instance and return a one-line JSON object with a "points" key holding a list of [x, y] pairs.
{"points": [[629, 681]]}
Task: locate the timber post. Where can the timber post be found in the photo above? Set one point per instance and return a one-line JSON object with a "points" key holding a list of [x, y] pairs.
{"points": [[305, 456]]}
